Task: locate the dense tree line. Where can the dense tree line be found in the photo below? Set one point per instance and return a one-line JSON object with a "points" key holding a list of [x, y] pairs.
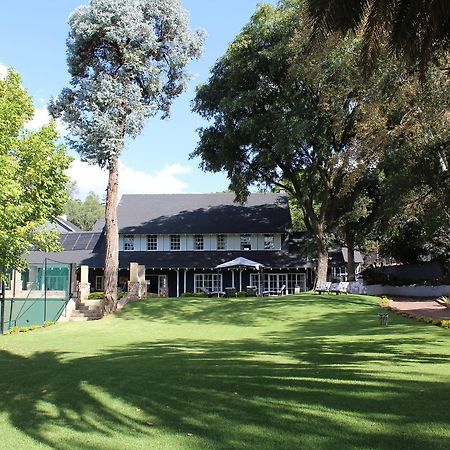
{"points": [[362, 157]]}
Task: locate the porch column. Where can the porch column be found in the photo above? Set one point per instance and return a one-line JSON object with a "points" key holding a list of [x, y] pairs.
{"points": [[184, 281], [178, 282], [142, 282], [32, 273], [232, 279], [240, 279], [16, 282], [133, 284], [85, 286], [73, 279]]}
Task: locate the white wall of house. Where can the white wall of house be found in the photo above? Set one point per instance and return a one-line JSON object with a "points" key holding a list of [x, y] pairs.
{"points": [[233, 242]]}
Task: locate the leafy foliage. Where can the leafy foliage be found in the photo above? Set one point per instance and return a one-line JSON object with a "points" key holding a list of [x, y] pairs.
{"points": [[126, 59], [418, 30], [33, 179], [286, 115], [85, 213]]}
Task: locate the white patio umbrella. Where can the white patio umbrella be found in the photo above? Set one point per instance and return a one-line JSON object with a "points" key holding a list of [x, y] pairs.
{"points": [[241, 263]]}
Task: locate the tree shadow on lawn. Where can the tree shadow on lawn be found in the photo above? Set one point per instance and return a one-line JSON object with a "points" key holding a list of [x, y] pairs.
{"points": [[287, 390], [237, 311]]}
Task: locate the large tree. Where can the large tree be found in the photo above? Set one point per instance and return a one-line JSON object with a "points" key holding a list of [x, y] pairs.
{"points": [[418, 30], [280, 119], [32, 178], [127, 62]]}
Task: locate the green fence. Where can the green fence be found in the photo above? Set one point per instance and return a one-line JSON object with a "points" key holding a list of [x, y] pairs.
{"points": [[43, 297]]}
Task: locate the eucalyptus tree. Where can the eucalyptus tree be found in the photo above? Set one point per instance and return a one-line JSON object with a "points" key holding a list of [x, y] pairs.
{"points": [[127, 61], [285, 118], [32, 178]]}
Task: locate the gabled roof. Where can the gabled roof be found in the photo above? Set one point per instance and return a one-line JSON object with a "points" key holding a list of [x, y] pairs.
{"points": [[63, 225], [203, 213]]}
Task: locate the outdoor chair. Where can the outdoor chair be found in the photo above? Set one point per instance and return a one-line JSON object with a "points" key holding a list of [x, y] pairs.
{"points": [[230, 292], [339, 288], [251, 291], [275, 292], [324, 287], [210, 293]]}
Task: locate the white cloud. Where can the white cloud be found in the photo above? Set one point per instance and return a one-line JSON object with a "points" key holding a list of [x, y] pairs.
{"points": [[131, 181], [42, 117], [3, 71]]}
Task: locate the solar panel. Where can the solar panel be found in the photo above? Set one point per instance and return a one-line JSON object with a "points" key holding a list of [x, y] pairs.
{"points": [[82, 242], [70, 241], [93, 242]]}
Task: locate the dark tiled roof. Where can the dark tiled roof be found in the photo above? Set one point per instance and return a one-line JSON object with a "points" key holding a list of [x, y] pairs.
{"points": [[203, 213], [209, 259], [98, 225]]}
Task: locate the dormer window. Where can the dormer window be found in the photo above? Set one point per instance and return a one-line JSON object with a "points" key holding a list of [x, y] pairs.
{"points": [[152, 242], [269, 243], [198, 242], [221, 242], [128, 242], [246, 241], [175, 242]]}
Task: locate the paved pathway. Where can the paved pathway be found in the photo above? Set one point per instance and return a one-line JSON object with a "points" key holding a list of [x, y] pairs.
{"points": [[420, 308]]}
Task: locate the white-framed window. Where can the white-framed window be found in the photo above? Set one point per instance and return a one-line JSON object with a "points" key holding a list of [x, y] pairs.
{"points": [[275, 281], [199, 242], [210, 281], [246, 241], [175, 242], [98, 283], [339, 272], [221, 242], [128, 242], [269, 242], [152, 242]]}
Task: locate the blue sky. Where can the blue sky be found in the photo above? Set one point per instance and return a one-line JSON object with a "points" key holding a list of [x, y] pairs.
{"points": [[32, 37]]}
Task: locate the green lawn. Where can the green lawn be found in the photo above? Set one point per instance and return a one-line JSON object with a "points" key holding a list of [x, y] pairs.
{"points": [[313, 372]]}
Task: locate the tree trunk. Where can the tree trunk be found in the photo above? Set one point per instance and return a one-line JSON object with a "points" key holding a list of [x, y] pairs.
{"points": [[112, 240], [322, 267], [350, 258]]}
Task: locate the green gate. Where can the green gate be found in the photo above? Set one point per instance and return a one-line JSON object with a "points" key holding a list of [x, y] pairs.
{"points": [[44, 293]]}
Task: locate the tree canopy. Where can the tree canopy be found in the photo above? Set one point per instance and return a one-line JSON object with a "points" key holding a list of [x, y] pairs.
{"points": [[32, 174], [284, 117], [417, 30], [289, 113], [127, 62], [85, 213]]}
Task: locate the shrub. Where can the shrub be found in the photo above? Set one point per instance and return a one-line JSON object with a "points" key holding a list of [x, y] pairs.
{"points": [[16, 330], [100, 295], [445, 323], [193, 294], [241, 293]]}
